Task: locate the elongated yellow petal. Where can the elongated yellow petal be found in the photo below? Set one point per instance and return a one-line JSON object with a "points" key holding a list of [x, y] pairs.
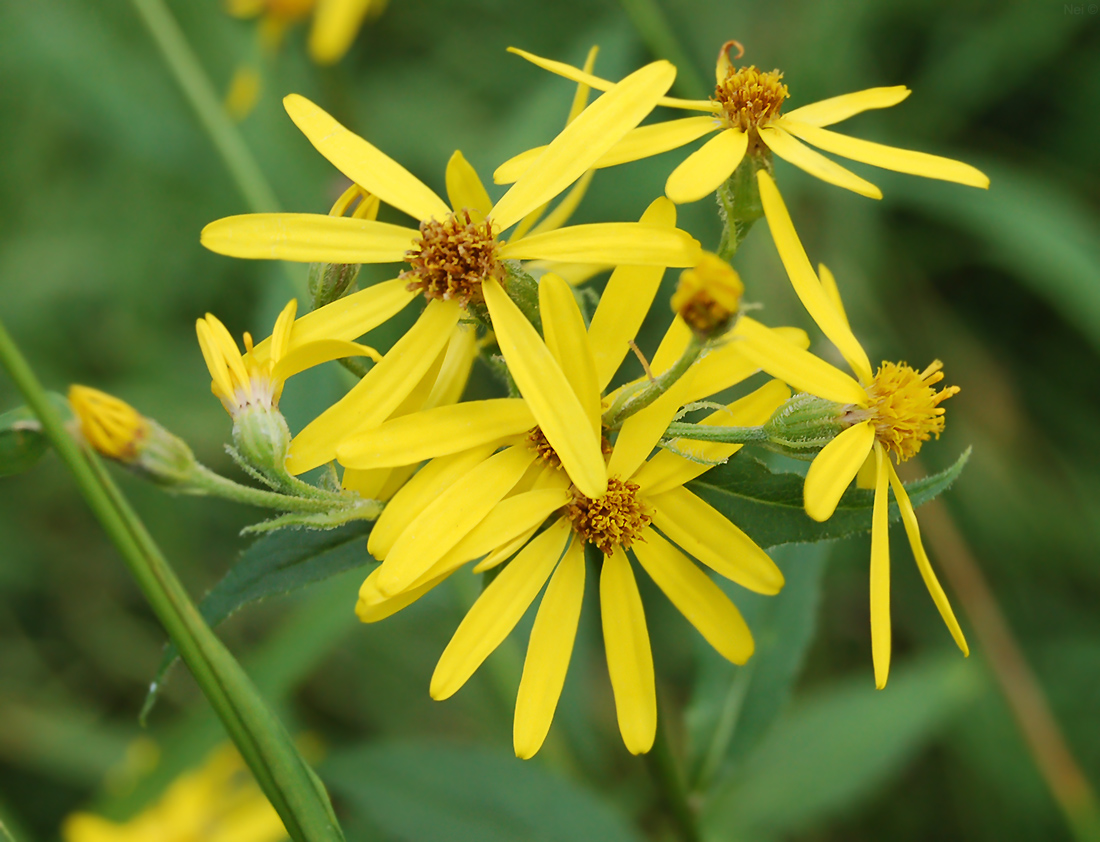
{"points": [[912, 530], [834, 468], [380, 391], [806, 284], [373, 605], [517, 165], [630, 243], [794, 152], [725, 366], [280, 336], [497, 611], [322, 351], [368, 484], [705, 169], [424, 487], [567, 340], [560, 415], [868, 473], [832, 292], [335, 25], [363, 163], [804, 371], [888, 157], [448, 518], [584, 141], [704, 532], [838, 108], [308, 238], [464, 187], [629, 659], [642, 430], [625, 301], [672, 345], [548, 653], [455, 369], [580, 96], [505, 551], [880, 572], [696, 597], [348, 318], [668, 470], [435, 432], [565, 208], [647, 141], [215, 359]]}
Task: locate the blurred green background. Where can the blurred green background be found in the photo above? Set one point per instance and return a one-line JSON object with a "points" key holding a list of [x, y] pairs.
{"points": [[106, 178]]}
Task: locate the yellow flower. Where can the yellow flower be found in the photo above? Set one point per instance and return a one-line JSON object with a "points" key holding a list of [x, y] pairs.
{"points": [[893, 410], [218, 802], [456, 247], [109, 425], [746, 112], [708, 296], [481, 503], [335, 22]]}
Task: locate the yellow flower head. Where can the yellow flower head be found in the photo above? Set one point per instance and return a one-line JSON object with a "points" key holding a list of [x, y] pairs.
{"points": [[905, 409], [109, 425], [708, 295]]}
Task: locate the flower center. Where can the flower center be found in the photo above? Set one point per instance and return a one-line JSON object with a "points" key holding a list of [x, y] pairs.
{"points": [[905, 408], [750, 98], [613, 520], [452, 258], [536, 440]]}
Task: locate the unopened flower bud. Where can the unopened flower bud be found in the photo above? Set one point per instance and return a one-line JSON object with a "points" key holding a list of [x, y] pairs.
{"points": [[329, 281], [708, 296], [804, 424], [262, 437]]}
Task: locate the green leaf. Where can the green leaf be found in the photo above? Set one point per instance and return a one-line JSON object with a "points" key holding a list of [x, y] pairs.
{"points": [[837, 746], [276, 564], [436, 792], [732, 707], [768, 505], [22, 441]]}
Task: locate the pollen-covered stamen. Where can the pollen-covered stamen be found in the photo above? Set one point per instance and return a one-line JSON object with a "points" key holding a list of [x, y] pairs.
{"points": [[613, 520], [905, 408], [453, 257], [536, 440], [750, 98]]}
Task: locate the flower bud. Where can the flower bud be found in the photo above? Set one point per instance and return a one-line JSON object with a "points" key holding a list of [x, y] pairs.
{"points": [[262, 437], [708, 296], [804, 424], [329, 281]]}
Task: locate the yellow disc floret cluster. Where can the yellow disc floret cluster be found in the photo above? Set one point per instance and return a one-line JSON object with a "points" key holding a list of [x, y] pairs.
{"points": [[613, 520], [111, 426], [708, 295], [453, 257], [750, 97], [905, 408]]}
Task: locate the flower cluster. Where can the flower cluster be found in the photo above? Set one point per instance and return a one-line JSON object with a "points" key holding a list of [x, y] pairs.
{"points": [[568, 469]]}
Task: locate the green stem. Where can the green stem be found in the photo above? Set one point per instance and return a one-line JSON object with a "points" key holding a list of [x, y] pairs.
{"points": [[666, 774], [732, 705], [263, 742], [739, 204], [643, 394], [219, 486], [716, 432], [657, 33]]}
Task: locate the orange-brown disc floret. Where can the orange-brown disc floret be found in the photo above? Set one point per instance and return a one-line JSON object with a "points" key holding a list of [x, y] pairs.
{"points": [[750, 97], [452, 258], [613, 520]]}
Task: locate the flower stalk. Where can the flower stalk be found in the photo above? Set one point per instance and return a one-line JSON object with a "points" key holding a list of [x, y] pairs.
{"points": [[636, 399], [739, 203]]}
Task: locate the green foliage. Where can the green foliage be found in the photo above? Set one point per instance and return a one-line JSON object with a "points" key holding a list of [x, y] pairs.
{"points": [[439, 792], [22, 442], [767, 504]]}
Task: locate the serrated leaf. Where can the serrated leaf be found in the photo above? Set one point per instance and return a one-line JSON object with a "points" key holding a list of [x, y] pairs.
{"points": [[768, 505], [837, 746], [276, 564], [438, 792], [22, 442]]}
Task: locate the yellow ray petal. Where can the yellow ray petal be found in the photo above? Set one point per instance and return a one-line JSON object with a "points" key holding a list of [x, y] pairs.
{"points": [[368, 484], [215, 359], [868, 473], [451, 516], [672, 346], [505, 551], [667, 470], [580, 96], [308, 238], [516, 166], [647, 141], [880, 572], [696, 597], [804, 371], [560, 415], [567, 340], [625, 301], [497, 611], [794, 152], [548, 653], [335, 25], [380, 391], [630, 243], [704, 170], [642, 430], [584, 141], [719, 369], [888, 157], [838, 108], [431, 481], [806, 284], [373, 605], [565, 208], [912, 530], [455, 369], [363, 163], [435, 432], [280, 336], [464, 187], [832, 291], [834, 468], [322, 351], [705, 533], [629, 659]]}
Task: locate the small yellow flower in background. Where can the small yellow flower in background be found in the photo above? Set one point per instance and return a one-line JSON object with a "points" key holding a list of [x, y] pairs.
{"points": [[335, 22], [218, 802], [746, 111], [109, 425], [489, 504], [457, 249], [893, 410], [708, 296]]}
